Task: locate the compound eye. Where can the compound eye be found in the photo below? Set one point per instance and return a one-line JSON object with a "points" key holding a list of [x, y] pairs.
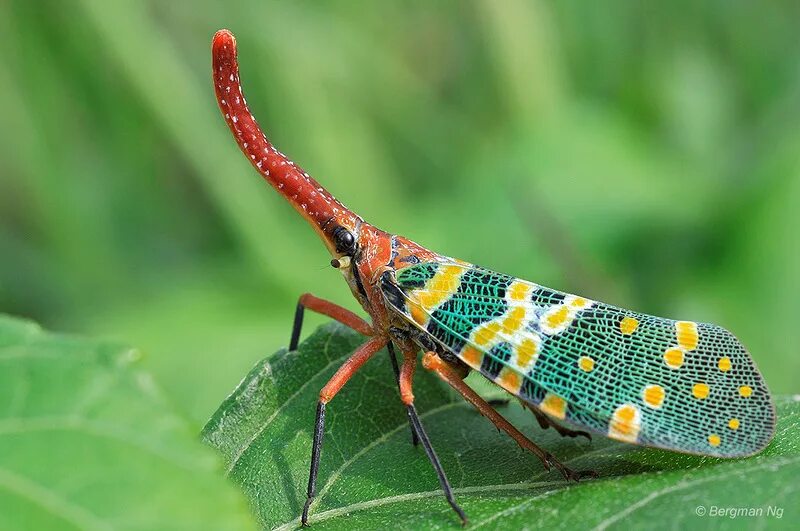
{"points": [[345, 241]]}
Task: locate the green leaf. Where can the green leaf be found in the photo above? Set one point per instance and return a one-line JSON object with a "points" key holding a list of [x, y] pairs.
{"points": [[87, 441], [371, 477]]}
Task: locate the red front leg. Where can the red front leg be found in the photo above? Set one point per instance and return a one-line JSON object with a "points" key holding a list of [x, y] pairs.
{"points": [[444, 371], [349, 367], [407, 377], [332, 310], [337, 381]]}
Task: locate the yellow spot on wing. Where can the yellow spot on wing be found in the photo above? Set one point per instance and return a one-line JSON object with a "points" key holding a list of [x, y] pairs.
{"points": [[579, 303], [700, 390], [628, 325], [745, 391], [526, 352], [673, 357], [733, 424], [513, 321], [509, 380], [557, 317], [554, 405], [519, 291], [437, 290], [507, 327], [418, 314], [653, 396], [586, 363], [485, 334], [445, 281], [686, 332], [472, 356], [625, 423], [724, 364], [714, 439]]}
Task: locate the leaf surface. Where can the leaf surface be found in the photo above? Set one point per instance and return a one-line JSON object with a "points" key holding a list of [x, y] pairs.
{"points": [[371, 477], [87, 441]]}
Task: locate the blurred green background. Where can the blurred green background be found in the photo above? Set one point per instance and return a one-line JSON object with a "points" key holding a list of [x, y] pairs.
{"points": [[644, 155]]}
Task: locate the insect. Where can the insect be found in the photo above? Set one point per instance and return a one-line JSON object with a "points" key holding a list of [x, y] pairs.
{"points": [[679, 385]]}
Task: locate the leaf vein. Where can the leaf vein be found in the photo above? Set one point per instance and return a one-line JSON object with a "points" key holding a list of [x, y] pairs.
{"points": [[243, 448], [399, 498], [678, 487]]}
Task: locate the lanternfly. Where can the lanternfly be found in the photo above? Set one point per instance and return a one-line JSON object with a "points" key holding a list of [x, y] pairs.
{"points": [[679, 385]]}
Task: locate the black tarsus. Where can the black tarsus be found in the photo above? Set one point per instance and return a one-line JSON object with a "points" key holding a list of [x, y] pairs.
{"points": [[297, 326], [437, 466], [316, 449], [417, 434], [396, 369]]}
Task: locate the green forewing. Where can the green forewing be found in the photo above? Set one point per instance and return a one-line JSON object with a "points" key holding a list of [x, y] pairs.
{"points": [[680, 385]]}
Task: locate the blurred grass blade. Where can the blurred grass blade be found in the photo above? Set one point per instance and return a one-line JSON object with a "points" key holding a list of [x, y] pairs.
{"points": [[184, 107]]}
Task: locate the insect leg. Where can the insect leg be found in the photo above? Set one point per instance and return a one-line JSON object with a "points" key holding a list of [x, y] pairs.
{"points": [[437, 465], [316, 449], [406, 380], [334, 311], [407, 395], [546, 422], [434, 363], [337, 381], [396, 369]]}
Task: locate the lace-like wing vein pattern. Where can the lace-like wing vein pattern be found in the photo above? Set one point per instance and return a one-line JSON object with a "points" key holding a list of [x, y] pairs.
{"points": [[680, 385]]}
